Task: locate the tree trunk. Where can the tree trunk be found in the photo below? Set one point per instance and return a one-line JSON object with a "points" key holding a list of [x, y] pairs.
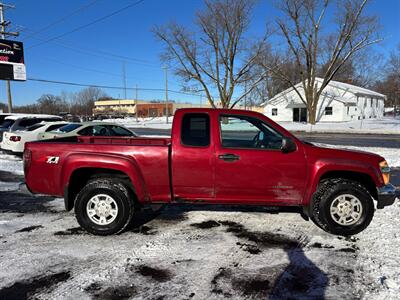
{"points": [[312, 111], [311, 116]]}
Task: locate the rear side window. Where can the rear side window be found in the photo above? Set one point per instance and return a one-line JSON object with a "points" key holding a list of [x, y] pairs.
{"points": [[69, 127], [7, 123], [195, 130], [28, 122], [54, 127], [119, 131], [34, 127]]}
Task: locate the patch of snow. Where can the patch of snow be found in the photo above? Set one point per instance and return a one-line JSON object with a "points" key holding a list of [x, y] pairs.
{"points": [[11, 163], [9, 186], [386, 125], [157, 122]]}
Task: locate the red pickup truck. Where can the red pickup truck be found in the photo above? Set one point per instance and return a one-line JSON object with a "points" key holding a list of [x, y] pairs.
{"points": [[214, 156]]}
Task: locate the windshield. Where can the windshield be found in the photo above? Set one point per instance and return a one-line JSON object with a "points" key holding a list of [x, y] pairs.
{"points": [[7, 123], [68, 128]]}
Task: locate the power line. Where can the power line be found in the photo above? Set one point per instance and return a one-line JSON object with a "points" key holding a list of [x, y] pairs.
{"points": [[88, 24], [79, 67], [102, 54], [62, 19], [108, 86], [47, 59]]}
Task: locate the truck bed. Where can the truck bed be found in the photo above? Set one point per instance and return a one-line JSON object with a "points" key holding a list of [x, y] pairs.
{"points": [[50, 161]]}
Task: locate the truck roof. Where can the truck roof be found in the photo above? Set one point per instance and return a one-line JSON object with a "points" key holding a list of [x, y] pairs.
{"points": [[223, 110]]}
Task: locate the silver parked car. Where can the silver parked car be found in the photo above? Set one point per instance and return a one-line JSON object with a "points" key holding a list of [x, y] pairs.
{"points": [[88, 129]]}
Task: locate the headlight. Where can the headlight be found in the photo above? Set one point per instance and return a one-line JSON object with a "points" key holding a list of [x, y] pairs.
{"points": [[385, 170]]}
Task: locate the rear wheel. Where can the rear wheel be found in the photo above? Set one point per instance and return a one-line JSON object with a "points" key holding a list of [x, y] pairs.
{"points": [[104, 206], [342, 207]]}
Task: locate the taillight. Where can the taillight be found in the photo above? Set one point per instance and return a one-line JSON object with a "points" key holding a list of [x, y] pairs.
{"points": [[15, 138], [27, 159]]}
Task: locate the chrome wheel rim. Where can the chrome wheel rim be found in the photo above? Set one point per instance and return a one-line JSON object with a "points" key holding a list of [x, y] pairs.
{"points": [[346, 209], [102, 209]]}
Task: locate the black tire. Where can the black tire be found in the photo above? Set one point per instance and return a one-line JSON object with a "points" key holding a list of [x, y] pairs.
{"points": [[117, 190], [328, 190]]}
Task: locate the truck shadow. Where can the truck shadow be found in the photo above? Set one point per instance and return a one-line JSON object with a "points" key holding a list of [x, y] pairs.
{"points": [[300, 279], [23, 202], [175, 213], [10, 177]]}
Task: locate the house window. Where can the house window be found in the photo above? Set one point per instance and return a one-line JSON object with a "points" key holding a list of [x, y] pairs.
{"points": [[348, 110], [274, 111], [328, 111]]}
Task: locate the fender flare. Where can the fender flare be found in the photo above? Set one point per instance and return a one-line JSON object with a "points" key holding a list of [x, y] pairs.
{"points": [[324, 166], [124, 164]]}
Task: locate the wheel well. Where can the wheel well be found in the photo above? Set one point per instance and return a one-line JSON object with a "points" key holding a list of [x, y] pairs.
{"points": [[80, 177], [362, 178]]}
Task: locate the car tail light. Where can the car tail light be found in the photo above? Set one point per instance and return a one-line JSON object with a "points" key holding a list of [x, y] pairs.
{"points": [[15, 138], [27, 159]]}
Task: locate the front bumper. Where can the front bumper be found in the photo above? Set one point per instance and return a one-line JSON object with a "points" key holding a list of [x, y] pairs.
{"points": [[387, 195]]}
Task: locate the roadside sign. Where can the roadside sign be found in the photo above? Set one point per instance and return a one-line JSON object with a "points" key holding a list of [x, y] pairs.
{"points": [[12, 64]]}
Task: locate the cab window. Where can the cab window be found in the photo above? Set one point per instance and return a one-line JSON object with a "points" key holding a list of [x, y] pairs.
{"points": [[195, 130], [248, 132]]}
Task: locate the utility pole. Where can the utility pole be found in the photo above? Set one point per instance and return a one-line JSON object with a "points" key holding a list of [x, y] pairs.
{"points": [[245, 95], [124, 78], [4, 24], [136, 103], [166, 92]]}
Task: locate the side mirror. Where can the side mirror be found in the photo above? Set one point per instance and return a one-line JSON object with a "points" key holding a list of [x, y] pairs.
{"points": [[288, 145]]}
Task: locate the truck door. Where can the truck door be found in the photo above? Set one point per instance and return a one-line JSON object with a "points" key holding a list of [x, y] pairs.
{"points": [[250, 165], [193, 157]]}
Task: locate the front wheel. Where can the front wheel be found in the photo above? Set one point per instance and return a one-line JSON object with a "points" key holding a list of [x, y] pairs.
{"points": [[342, 207], [104, 207]]}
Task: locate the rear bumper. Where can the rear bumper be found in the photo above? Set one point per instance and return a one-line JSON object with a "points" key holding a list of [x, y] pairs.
{"points": [[387, 195]]}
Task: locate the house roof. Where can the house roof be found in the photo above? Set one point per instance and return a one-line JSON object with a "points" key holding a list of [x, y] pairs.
{"points": [[353, 88], [358, 91]]}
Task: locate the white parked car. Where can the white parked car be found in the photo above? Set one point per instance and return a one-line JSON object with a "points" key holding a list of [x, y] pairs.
{"points": [[19, 122], [14, 141]]}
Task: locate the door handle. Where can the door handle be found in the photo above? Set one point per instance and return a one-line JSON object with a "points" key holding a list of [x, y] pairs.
{"points": [[229, 157]]}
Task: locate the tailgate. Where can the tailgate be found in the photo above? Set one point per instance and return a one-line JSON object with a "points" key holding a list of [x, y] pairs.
{"points": [[42, 168]]}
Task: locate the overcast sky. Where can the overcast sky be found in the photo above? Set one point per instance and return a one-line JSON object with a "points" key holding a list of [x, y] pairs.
{"points": [[83, 56]]}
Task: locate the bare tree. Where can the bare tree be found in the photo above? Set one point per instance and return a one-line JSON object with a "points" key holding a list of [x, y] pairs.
{"points": [[214, 58], [394, 63], [390, 83], [51, 104], [315, 51], [83, 101]]}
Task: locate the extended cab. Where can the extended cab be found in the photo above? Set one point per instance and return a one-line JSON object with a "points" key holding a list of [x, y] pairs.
{"points": [[214, 156]]}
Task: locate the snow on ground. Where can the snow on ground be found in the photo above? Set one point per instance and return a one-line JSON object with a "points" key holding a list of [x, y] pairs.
{"points": [[11, 163], [386, 125], [191, 252], [156, 123]]}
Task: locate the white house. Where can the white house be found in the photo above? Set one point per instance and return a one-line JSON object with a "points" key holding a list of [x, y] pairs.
{"points": [[338, 102]]}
